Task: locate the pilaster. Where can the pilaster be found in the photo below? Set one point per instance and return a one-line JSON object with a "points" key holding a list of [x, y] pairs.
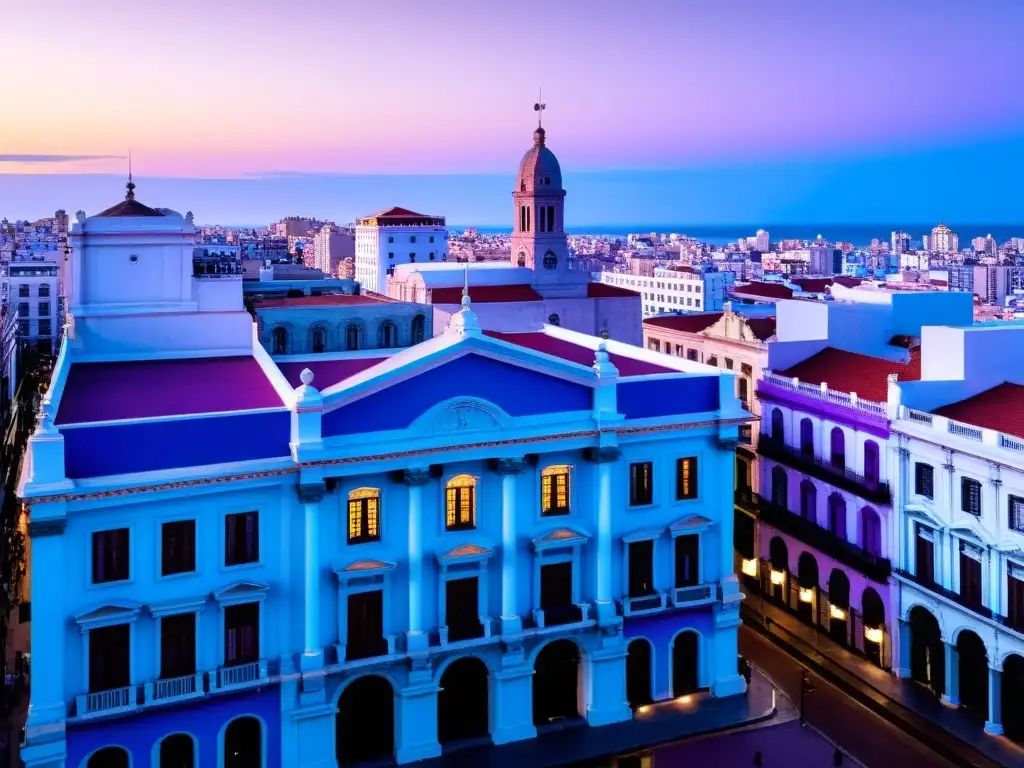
{"points": [[903, 645], [417, 638], [416, 724], [994, 724], [952, 693], [511, 702], [511, 621], [606, 686], [605, 458], [311, 663]]}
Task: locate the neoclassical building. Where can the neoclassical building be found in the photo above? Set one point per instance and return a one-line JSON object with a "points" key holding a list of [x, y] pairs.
{"points": [[240, 562]]}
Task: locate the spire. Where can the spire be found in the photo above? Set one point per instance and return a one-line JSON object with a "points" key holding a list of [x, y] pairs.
{"points": [[539, 107], [465, 322], [465, 287], [130, 186]]}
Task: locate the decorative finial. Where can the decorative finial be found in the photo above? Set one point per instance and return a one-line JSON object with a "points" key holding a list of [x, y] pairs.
{"points": [[539, 108], [465, 287], [130, 195], [306, 377]]}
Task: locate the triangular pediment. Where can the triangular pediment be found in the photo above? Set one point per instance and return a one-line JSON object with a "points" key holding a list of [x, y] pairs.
{"points": [[467, 551], [241, 589], [124, 610], [366, 566], [690, 523], [973, 533], [559, 537]]}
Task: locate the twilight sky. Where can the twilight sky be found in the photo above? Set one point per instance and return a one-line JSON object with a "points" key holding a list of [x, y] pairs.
{"points": [[670, 111]]}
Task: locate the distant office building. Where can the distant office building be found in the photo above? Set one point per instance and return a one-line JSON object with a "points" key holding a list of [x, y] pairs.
{"points": [[331, 246], [762, 241], [994, 282], [676, 289], [900, 242], [396, 236], [943, 240], [825, 260], [31, 289], [294, 226]]}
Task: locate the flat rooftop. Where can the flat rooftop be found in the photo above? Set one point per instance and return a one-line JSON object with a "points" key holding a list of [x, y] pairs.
{"points": [[326, 300], [154, 388]]}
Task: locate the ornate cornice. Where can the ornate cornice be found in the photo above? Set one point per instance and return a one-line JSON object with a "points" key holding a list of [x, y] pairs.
{"points": [[52, 527]]}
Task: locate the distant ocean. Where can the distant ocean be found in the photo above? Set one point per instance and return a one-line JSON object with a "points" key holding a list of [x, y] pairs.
{"points": [[843, 233]]}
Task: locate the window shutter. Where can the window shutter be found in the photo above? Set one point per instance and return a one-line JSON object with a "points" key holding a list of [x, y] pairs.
{"points": [[229, 546]]}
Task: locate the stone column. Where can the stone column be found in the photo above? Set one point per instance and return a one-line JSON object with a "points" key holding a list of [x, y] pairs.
{"points": [[904, 642], [605, 459], [49, 633], [952, 694], [511, 621], [417, 638], [994, 596], [311, 663], [994, 724]]}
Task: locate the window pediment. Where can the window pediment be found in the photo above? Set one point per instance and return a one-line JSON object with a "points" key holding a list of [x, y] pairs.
{"points": [[924, 514], [465, 553], [114, 612], [363, 568], [171, 607], [560, 537], [690, 524], [971, 532], [645, 534], [241, 591]]}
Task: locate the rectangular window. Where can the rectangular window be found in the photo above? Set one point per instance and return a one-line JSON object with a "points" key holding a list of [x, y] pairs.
{"points": [[687, 560], [691, 355], [45, 329], [1015, 600], [555, 586], [431, 238], [554, 492], [924, 480], [970, 576], [641, 484], [462, 609], [22, 309], [924, 553], [178, 547], [44, 291], [728, 363], [686, 478], [542, 220], [654, 345], [461, 507], [110, 556], [970, 496], [412, 238], [551, 218], [1016, 511], [242, 540], [391, 238], [366, 626], [23, 290], [522, 218], [177, 645], [241, 634], [109, 658], [641, 568], [44, 308], [363, 517], [23, 328]]}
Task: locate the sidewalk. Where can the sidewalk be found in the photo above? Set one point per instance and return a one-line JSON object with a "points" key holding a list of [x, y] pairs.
{"points": [[663, 722], [915, 709]]}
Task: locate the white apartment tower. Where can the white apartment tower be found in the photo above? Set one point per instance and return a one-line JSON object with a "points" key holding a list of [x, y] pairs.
{"points": [[396, 236]]}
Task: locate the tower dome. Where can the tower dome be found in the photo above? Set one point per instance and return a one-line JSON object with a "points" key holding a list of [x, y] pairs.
{"points": [[539, 170]]}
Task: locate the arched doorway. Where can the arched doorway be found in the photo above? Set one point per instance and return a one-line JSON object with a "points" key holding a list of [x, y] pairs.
{"points": [[178, 751], [839, 606], [778, 555], [243, 744], [873, 615], [638, 673], [109, 757], [462, 706], [685, 663], [972, 674], [927, 662], [556, 682], [1013, 697], [365, 724], [807, 598]]}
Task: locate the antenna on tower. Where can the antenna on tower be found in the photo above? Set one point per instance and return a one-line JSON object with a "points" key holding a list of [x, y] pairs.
{"points": [[130, 195], [539, 107]]}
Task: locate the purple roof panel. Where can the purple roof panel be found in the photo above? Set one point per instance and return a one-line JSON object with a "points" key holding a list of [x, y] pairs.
{"points": [[151, 388], [327, 373]]}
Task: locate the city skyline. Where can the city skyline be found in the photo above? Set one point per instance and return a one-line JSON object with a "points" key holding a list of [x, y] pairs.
{"points": [[780, 113]]}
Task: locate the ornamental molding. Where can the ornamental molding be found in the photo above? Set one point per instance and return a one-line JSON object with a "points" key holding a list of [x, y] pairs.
{"points": [[461, 415]]}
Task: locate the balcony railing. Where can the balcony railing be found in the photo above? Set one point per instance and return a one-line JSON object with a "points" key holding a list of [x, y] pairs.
{"points": [[640, 604], [824, 394], [965, 431], [868, 488], [873, 566], [697, 594], [107, 702], [365, 651], [242, 675], [574, 613], [174, 689], [457, 632]]}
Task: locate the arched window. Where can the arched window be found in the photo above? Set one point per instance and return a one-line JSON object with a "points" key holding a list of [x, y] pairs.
{"points": [[460, 503], [387, 337], [280, 341], [871, 462], [243, 743], [550, 260], [109, 757], [178, 751], [806, 437], [554, 490], [352, 336], [319, 339], [838, 440], [780, 492], [778, 433], [419, 328], [837, 515], [44, 290], [364, 515], [554, 320], [778, 554], [870, 531], [808, 501]]}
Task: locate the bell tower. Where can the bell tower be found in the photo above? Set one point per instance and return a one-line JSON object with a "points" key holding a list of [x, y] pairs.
{"points": [[538, 227]]}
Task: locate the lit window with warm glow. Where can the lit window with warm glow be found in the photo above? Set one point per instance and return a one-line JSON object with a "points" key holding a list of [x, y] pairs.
{"points": [[460, 503], [363, 515], [686, 478], [554, 490]]}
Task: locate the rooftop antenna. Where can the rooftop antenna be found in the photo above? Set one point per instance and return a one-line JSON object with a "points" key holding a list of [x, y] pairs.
{"points": [[131, 184], [465, 287], [539, 107]]}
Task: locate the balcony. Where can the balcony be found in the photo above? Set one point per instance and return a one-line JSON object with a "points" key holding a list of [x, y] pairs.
{"points": [[562, 615], [363, 652], [867, 488], [954, 597], [249, 675], [874, 567], [642, 604], [745, 499], [174, 689], [114, 701], [692, 596], [465, 632]]}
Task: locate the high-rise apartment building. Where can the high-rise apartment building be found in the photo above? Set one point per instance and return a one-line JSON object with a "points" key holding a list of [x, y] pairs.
{"points": [[943, 240], [396, 236]]}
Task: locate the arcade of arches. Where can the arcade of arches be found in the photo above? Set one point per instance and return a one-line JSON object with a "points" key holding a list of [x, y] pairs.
{"points": [[684, 668], [961, 672]]}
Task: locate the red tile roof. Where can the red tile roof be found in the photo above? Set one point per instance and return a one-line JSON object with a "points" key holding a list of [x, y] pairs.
{"points": [[849, 372], [762, 327], [574, 353], [604, 291], [1000, 408], [765, 290], [397, 211], [486, 294], [693, 323], [329, 300]]}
